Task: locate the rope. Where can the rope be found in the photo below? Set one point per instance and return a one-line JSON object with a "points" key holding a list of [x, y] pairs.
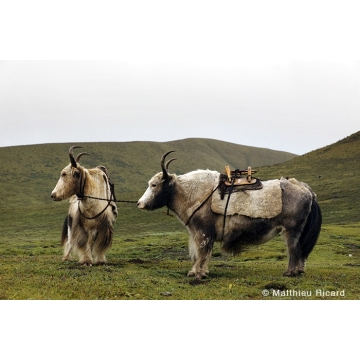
{"points": [[81, 196], [201, 204], [116, 201], [227, 202], [94, 217]]}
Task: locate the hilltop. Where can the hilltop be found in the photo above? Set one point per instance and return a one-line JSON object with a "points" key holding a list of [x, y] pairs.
{"points": [[332, 172]]}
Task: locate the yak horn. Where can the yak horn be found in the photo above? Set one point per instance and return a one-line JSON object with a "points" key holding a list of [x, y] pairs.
{"points": [[168, 163], [71, 155], [165, 166], [80, 155]]}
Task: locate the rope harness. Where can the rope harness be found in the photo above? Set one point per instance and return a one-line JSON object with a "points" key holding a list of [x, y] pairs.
{"points": [[237, 171], [112, 199], [227, 202], [201, 204]]}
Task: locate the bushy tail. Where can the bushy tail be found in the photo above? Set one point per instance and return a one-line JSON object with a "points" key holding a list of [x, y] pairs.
{"points": [[64, 234], [311, 230]]}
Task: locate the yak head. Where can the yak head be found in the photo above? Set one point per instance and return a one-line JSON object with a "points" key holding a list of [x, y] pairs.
{"points": [[70, 182], [160, 190]]}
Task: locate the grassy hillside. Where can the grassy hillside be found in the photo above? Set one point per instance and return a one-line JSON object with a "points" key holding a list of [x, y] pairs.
{"points": [[332, 172], [31, 172]]}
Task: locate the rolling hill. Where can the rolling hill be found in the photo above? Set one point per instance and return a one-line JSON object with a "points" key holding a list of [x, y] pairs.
{"points": [[29, 173]]}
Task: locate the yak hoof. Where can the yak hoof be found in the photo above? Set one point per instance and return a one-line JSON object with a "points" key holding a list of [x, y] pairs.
{"points": [[198, 275], [86, 263], [292, 273], [201, 275], [100, 263]]}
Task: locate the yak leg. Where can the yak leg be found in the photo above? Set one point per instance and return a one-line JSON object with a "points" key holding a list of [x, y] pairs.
{"points": [[296, 261], [193, 255], [99, 253], [67, 249], [302, 265], [85, 257], [84, 246], [200, 250], [99, 256], [102, 244]]}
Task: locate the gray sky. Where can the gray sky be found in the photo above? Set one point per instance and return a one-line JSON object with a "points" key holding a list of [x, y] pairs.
{"points": [[275, 76]]}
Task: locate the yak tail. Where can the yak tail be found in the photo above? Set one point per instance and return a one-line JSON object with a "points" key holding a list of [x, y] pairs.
{"points": [[64, 235], [311, 230]]}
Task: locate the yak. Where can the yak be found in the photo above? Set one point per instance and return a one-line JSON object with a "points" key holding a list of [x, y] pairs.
{"points": [[285, 206], [88, 227]]}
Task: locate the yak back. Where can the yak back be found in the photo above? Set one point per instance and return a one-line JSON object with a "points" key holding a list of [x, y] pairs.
{"points": [[264, 203]]}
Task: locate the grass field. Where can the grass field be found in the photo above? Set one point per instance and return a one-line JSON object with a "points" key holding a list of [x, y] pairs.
{"points": [[151, 262]]}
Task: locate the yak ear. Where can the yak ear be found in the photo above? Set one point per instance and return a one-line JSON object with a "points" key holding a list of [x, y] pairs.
{"points": [[76, 173], [169, 178]]}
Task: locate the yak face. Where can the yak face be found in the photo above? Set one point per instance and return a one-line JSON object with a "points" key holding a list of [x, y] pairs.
{"points": [[68, 184], [158, 194]]}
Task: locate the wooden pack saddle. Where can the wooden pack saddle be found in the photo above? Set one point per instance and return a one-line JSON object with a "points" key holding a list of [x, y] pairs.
{"points": [[239, 177], [238, 180]]}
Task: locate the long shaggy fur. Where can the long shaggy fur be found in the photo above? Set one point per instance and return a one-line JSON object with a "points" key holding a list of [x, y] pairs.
{"points": [[85, 233]]}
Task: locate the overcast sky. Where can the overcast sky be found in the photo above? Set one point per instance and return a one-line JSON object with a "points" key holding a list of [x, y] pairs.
{"points": [[267, 74]]}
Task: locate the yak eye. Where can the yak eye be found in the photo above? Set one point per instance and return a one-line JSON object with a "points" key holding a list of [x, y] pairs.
{"points": [[63, 174], [153, 185]]}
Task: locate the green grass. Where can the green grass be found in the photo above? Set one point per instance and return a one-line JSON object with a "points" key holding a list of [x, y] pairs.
{"points": [[152, 264]]}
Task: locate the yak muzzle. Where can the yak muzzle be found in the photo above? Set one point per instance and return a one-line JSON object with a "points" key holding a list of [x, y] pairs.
{"points": [[141, 205], [54, 197]]}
